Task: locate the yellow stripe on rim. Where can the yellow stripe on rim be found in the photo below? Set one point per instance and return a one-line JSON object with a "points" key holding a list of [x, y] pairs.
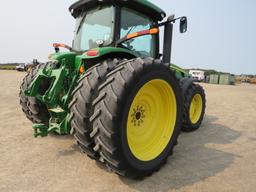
{"points": [[195, 109], [151, 121]]}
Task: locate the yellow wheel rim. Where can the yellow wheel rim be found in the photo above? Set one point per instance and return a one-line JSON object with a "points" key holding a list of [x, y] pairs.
{"points": [[195, 109], [151, 120]]}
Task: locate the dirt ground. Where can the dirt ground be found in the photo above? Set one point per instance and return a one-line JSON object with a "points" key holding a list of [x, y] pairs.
{"points": [[218, 157]]}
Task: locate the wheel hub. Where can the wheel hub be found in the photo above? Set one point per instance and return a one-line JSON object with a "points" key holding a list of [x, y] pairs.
{"points": [[138, 115]]}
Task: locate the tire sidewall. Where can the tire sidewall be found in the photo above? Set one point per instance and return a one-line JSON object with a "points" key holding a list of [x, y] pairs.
{"points": [[136, 86]]}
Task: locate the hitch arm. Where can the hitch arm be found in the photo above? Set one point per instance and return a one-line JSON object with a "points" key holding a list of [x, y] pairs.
{"points": [[42, 130]]}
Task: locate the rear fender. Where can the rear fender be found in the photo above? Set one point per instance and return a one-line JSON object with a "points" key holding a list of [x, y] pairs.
{"points": [[104, 51]]}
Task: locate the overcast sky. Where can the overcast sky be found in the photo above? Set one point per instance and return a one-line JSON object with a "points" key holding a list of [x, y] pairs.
{"points": [[221, 33]]}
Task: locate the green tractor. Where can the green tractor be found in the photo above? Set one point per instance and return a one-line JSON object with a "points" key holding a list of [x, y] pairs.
{"points": [[123, 100]]}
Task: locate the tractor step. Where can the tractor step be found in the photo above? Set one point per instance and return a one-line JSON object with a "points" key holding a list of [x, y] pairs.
{"points": [[42, 130]]}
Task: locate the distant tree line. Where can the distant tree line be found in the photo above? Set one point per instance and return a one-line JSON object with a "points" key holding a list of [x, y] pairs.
{"points": [[9, 64]]}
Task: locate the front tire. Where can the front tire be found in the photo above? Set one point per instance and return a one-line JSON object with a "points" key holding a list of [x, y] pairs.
{"points": [[34, 110], [137, 117], [194, 108]]}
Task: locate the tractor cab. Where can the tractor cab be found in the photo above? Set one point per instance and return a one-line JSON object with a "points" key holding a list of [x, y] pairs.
{"points": [[96, 28], [131, 25], [101, 24]]}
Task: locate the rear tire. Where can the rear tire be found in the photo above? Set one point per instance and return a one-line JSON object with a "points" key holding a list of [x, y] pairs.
{"points": [[114, 122], [81, 105], [34, 110], [194, 108]]}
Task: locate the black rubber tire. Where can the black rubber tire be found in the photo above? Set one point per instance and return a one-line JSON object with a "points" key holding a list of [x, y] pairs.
{"points": [[111, 111], [81, 107], [34, 110], [187, 125]]}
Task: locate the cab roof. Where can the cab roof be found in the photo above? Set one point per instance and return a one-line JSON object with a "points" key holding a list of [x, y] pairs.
{"points": [[143, 6]]}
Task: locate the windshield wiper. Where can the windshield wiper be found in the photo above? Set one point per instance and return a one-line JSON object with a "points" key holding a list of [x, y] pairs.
{"points": [[81, 23]]}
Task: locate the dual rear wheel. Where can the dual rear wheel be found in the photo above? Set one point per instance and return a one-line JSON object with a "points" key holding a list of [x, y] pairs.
{"points": [[130, 118]]}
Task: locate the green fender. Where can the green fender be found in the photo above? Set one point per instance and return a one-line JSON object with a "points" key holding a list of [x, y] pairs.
{"points": [[102, 51]]}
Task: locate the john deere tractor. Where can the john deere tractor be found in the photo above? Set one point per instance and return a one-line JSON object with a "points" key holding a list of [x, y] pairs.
{"points": [[123, 100]]}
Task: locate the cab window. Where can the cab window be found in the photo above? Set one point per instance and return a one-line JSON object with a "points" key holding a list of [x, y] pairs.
{"points": [[131, 22], [92, 26]]}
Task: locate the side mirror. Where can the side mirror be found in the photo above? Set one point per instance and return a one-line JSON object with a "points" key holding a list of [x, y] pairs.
{"points": [[183, 25]]}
